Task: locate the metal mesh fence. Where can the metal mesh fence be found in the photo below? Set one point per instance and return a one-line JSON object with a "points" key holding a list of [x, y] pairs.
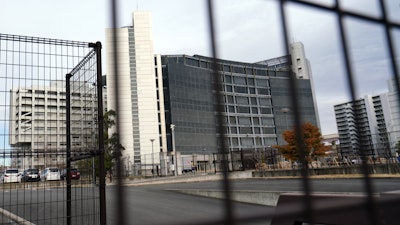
{"points": [[307, 210], [51, 137], [33, 132]]}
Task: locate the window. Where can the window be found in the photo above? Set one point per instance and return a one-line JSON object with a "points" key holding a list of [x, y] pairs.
{"points": [[266, 110], [227, 68], [228, 79], [253, 101], [244, 120], [262, 91], [242, 109], [268, 130], [249, 71], [238, 69], [245, 130], [267, 121], [262, 82], [230, 99], [265, 101], [242, 100], [241, 89], [239, 80], [250, 81]]}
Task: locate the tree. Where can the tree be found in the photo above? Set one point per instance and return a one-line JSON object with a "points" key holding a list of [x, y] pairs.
{"points": [[312, 139], [112, 145]]}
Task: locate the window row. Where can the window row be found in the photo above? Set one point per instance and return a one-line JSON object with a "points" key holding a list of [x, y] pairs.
{"points": [[247, 90], [247, 110], [244, 100]]}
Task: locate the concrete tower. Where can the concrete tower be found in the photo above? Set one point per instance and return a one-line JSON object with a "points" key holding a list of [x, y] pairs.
{"points": [[137, 109]]}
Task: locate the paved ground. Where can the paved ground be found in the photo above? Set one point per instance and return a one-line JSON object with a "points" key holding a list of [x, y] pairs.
{"points": [[160, 200]]}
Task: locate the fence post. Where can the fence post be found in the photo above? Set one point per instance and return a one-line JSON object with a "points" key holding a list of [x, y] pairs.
{"points": [[102, 179], [68, 153]]}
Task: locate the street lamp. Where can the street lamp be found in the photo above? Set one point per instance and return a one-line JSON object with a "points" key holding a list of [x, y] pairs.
{"points": [[204, 160], [152, 156], [285, 111], [173, 150]]}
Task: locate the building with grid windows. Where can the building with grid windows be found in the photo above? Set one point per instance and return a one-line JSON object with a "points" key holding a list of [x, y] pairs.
{"points": [[37, 125], [356, 125], [256, 98], [379, 127]]}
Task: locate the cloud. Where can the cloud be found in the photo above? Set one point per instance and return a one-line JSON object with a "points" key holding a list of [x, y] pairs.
{"points": [[248, 31]]}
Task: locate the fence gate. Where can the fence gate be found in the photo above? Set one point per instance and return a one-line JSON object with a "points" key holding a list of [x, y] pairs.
{"points": [[49, 139]]}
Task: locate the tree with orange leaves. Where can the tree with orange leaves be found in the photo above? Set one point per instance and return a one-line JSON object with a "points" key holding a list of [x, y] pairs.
{"points": [[312, 139]]}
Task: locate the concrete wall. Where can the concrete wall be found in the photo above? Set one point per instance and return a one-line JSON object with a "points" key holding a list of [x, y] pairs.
{"points": [[374, 169]]}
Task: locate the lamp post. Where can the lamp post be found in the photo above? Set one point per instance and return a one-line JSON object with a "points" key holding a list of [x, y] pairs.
{"points": [[285, 111], [173, 150], [152, 156], [204, 160]]}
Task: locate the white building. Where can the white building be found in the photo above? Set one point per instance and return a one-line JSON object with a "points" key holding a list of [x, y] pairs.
{"points": [[38, 124], [137, 92], [354, 138]]}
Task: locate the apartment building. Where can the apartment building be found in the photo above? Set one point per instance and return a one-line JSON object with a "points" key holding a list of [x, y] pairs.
{"points": [[37, 125]]}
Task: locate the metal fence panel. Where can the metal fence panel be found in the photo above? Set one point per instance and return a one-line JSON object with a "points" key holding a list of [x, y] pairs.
{"points": [[33, 132]]}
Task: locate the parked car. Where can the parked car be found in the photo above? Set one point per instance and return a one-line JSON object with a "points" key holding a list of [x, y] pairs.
{"points": [[30, 175], [74, 174], [10, 176], [50, 173]]}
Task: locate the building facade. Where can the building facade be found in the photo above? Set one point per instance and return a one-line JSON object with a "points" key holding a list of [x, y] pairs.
{"points": [[137, 93], [256, 102], [379, 127], [38, 124]]}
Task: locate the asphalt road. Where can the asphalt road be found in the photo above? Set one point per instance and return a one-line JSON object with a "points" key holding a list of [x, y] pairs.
{"points": [[157, 204]]}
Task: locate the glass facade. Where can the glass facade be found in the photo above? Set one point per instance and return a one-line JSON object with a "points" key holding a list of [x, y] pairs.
{"points": [[254, 96]]}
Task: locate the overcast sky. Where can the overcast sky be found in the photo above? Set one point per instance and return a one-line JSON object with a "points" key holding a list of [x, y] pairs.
{"points": [[248, 31]]}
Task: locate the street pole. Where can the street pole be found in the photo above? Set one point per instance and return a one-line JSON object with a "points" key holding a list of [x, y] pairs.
{"points": [[285, 111], [173, 150], [152, 156], [204, 160]]}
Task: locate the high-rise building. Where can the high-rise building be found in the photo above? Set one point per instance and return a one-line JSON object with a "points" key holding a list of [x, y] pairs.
{"points": [[37, 124], [137, 91], [378, 130], [356, 125], [157, 91]]}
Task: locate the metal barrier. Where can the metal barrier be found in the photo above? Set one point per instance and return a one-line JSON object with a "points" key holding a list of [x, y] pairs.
{"points": [[52, 131], [306, 204], [57, 126]]}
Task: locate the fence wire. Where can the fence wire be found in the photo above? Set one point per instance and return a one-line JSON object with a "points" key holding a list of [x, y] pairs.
{"points": [[33, 132], [51, 135], [308, 207]]}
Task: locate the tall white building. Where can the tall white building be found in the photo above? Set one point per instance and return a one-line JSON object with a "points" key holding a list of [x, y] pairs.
{"points": [[354, 138], [137, 92], [379, 126]]}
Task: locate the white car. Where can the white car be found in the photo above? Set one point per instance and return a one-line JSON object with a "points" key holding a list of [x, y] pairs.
{"points": [[10, 176], [51, 173]]}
